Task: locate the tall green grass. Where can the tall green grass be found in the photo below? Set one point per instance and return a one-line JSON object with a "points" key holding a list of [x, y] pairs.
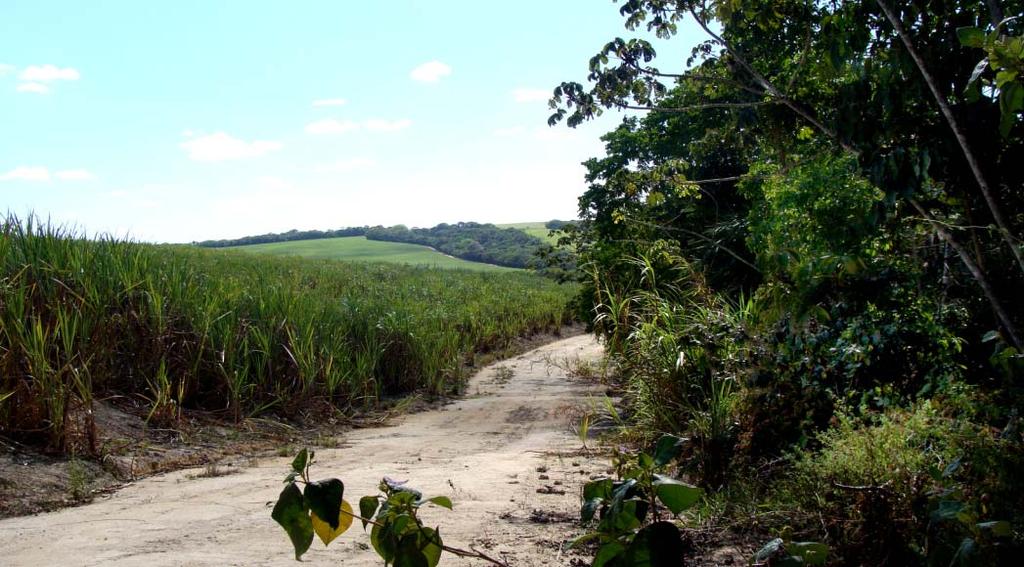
{"points": [[191, 328]]}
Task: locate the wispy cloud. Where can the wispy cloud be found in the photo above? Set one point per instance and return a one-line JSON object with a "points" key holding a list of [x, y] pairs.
{"points": [[37, 88], [222, 147], [377, 125], [26, 173], [75, 175], [334, 126], [343, 165], [331, 126], [330, 102], [530, 95], [46, 73], [430, 72], [5, 69]]}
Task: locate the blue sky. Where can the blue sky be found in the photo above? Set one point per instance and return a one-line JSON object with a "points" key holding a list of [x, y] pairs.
{"points": [[188, 120]]}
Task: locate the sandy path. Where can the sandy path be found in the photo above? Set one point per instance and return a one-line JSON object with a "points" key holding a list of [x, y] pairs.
{"points": [[488, 452]]}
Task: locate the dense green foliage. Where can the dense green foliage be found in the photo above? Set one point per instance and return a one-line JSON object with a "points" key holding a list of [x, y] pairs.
{"points": [[188, 328], [359, 249], [290, 236], [812, 237], [633, 510], [468, 240]]}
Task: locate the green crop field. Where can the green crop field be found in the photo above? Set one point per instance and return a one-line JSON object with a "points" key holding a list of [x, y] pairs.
{"points": [[186, 327], [533, 229], [358, 248]]}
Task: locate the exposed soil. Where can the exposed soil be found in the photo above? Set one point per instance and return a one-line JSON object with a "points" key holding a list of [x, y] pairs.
{"points": [[506, 455]]}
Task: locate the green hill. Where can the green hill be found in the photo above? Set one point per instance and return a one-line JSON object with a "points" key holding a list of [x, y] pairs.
{"points": [[533, 229], [359, 249]]}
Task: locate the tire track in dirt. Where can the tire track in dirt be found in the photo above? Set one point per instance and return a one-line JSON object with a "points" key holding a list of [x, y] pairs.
{"points": [[505, 454]]}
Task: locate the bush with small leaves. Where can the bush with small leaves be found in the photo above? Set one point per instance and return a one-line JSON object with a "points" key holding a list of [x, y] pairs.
{"points": [[632, 529]]}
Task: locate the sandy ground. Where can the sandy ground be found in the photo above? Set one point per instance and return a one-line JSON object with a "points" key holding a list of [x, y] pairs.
{"points": [[506, 455]]}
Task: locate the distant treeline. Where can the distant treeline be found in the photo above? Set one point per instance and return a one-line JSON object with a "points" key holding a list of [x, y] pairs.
{"points": [[468, 240], [471, 241], [284, 237]]}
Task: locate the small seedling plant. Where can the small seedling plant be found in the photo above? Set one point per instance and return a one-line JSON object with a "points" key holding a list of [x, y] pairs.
{"points": [[398, 535], [634, 512]]}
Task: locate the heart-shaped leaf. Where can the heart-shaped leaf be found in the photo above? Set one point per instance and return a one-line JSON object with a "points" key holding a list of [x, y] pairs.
{"points": [[325, 531], [367, 508], [293, 515], [324, 499], [674, 494]]}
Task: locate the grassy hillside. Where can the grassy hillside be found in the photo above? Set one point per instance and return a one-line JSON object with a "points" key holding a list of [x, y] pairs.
{"points": [[358, 248], [184, 327], [533, 229]]}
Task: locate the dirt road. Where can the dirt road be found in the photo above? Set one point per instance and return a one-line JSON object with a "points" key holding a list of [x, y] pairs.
{"points": [[505, 454]]}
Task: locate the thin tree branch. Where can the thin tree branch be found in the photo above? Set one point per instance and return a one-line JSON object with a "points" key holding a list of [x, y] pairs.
{"points": [[961, 138], [772, 89], [692, 107], [976, 273], [472, 553]]}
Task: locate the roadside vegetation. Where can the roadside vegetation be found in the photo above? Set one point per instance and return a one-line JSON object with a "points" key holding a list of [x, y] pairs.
{"points": [[233, 333], [805, 259]]}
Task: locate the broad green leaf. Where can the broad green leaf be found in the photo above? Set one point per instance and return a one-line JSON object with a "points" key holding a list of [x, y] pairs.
{"points": [[325, 531], [383, 542], [367, 508], [324, 499], [608, 552], [598, 489], [293, 515], [667, 448], [971, 37], [442, 501], [300, 461], [624, 490], [657, 545], [431, 545], [1000, 528], [811, 552], [626, 517], [409, 553], [675, 494]]}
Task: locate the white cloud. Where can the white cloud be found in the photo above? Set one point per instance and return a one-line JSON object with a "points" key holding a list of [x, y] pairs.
{"points": [[75, 175], [45, 73], [329, 102], [5, 68], [37, 88], [377, 125], [25, 173], [222, 147], [344, 165], [530, 95], [430, 72], [187, 133], [331, 126], [118, 194]]}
